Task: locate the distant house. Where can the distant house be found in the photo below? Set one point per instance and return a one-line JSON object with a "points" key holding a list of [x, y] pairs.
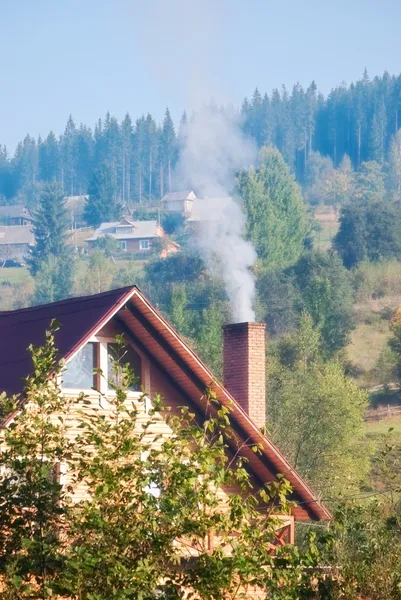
{"points": [[131, 236], [15, 241], [208, 209], [15, 214], [180, 202]]}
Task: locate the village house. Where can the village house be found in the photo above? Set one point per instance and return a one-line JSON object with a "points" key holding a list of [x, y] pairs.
{"points": [[165, 365], [132, 236], [15, 214], [179, 202], [15, 241], [208, 209]]}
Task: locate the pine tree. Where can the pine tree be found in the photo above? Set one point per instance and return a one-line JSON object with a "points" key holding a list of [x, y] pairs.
{"points": [[395, 165], [84, 153], [50, 227], [69, 157], [169, 146], [50, 259], [102, 204], [378, 132], [126, 138], [49, 158]]}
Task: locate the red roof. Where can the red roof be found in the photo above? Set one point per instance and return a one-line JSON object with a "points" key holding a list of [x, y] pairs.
{"points": [[78, 318], [83, 317]]}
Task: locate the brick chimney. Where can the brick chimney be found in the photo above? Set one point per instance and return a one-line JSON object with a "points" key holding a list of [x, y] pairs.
{"points": [[245, 367]]}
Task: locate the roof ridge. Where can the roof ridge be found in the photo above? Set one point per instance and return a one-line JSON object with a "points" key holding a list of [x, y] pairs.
{"points": [[72, 300]]}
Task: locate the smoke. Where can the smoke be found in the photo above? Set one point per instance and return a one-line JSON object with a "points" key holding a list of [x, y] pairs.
{"points": [[181, 40], [213, 149]]}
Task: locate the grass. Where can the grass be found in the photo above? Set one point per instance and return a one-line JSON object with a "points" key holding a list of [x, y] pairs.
{"points": [[367, 343], [328, 227], [13, 275], [376, 429]]}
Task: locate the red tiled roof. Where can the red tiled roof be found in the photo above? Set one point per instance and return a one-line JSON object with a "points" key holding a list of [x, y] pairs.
{"points": [[83, 317]]}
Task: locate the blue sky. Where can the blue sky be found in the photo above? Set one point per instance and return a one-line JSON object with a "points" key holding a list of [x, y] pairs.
{"points": [[86, 57]]}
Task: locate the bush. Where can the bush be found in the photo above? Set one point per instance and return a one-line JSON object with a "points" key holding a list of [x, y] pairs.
{"points": [[369, 232]]}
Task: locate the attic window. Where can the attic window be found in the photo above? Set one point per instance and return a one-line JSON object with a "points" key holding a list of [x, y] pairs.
{"points": [[79, 371], [124, 355], [124, 229]]}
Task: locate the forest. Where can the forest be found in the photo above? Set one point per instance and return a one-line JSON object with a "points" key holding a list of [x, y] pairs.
{"points": [[358, 120]]}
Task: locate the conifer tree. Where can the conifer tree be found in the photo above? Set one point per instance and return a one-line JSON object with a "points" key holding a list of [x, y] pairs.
{"points": [[49, 158], [169, 141], [69, 141], [50, 259], [102, 204], [395, 165]]}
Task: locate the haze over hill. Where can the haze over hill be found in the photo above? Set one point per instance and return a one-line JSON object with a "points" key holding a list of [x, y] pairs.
{"points": [[86, 58]]}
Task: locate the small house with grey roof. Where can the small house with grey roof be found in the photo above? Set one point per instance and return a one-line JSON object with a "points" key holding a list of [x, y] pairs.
{"points": [[180, 202], [15, 241], [15, 214], [131, 236]]}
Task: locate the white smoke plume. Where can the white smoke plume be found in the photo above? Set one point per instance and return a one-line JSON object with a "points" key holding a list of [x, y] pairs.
{"points": [[181, 39], [213, 149]]}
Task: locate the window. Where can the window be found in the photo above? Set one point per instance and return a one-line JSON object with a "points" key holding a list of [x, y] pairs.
{"points": [[124, 355], [144, 244], [122, 245], [123, 229], [79, 371]]}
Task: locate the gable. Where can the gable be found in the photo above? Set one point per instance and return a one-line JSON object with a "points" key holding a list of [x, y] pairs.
{"points": [[175, 371], [78, 317]]}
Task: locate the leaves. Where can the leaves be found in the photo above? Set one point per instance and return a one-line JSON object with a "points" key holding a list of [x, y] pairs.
{"points": [[162, 515]]}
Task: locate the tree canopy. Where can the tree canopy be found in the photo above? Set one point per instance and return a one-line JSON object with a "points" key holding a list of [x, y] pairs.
{"points": [[277, 222]]}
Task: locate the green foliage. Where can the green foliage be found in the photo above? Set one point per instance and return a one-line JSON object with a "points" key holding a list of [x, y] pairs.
{"points": [[98, 274], [172, 222], [369, 232], [279, 301], [107, 244], [394, 160], [142, 528], [277, 223], [394, 344], [184, 267], [363, 543], [317, 284], [209, 338], [53, 280], [369, 183], [319, 170], [102, 204], [178, 313], [50, 260], [315, 413], [129, 275], [50, 227], [34, 505], [327, 295]]}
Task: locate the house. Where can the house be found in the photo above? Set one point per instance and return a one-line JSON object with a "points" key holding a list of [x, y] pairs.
{"points": [[166, 365], [180, 202], [15, 214], [208, 209], [15, 241], [131, 236]]}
